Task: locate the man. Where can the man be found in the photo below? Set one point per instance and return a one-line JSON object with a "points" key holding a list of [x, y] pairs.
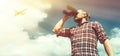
{"points": [[84, 36]]}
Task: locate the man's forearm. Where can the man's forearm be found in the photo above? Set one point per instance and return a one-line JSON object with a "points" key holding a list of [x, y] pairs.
{"points": [[108, 48], [60, 24]]}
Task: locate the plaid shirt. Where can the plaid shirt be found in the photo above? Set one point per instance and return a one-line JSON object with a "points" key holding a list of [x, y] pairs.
{"points": [[84, 38]]}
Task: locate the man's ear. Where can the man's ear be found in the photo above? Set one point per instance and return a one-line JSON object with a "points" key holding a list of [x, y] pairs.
{"points": [[87, 16]]}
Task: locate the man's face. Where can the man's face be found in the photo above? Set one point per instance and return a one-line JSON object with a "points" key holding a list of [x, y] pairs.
{"points": [[81, 14]]}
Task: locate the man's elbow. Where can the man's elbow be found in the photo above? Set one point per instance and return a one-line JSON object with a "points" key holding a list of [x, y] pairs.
{"points": [[53, 31], [56, 30]]}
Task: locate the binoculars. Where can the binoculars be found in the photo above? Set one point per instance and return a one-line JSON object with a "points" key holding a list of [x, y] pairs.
{"points": [[70, 11]]}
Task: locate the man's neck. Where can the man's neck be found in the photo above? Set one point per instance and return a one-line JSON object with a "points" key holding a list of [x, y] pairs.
{"points": [[82, 21]]}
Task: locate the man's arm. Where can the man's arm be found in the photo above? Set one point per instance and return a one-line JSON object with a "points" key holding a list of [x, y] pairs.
{"points": [[103, 38], [108, 48], [60, 24]]}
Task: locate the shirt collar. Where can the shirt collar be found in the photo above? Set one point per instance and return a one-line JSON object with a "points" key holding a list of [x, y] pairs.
{"points": [[83, 23]]}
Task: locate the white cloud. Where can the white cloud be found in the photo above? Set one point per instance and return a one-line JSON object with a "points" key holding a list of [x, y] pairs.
{"points": [[47, 45], [11, 26], [116, 40], [14, 41], [57, 46]]}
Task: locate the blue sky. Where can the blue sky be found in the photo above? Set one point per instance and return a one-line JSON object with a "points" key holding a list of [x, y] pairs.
{"points": [[29, 33]]}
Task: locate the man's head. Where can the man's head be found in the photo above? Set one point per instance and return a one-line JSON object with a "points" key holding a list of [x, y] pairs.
{"points": [[81, 14]]}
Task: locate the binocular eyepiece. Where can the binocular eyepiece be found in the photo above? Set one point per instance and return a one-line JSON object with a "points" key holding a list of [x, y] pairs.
{"points": [[70, 11]]}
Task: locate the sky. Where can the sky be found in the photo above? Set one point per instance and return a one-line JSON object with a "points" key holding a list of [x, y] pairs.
{"points": [[26, 25]]}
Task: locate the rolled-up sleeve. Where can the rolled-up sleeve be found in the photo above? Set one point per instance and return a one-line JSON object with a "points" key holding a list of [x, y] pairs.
{"points": [[65, 32], [101, 34]]}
